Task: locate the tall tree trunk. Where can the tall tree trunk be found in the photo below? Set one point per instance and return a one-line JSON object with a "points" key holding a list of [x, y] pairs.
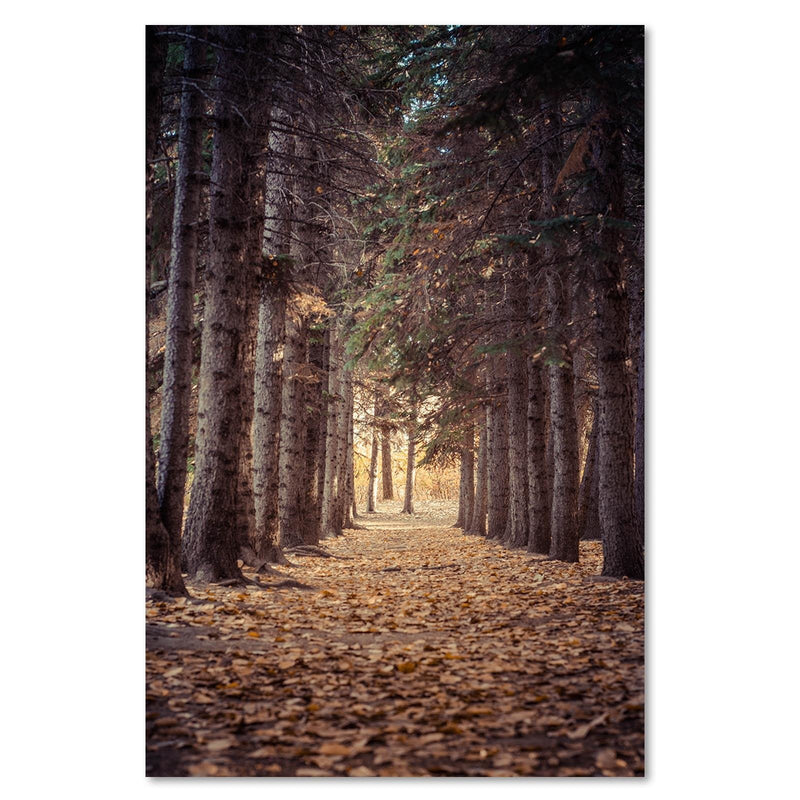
{"points": [[538, 479], [372, 486], [162, 554], [342, 428], [386, 464], [635, 282], [411, 465], [313, 410], [588, 512], [351, 511], [623, 551], [477, 522], [518, 519], [268, 385], [563, 427], [177, 382], [498, 453], [466, 494], [538, 476], [266, 420], [329, 505], [291, 461], [210, 539]]}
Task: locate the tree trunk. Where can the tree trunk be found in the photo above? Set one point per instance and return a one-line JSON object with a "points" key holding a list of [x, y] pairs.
{"points": [[372, 486], [538, 480], [497, 453], [328, 514], [563, 427], [270, 345], [245, 501], [351, 511], [386, 464], [466, 494], [411, 466], [635, 283], [291, 461], [342, 429], [623, 551], [177, 381], [210, 539], [477, 523], [313, 410], [267, 417], [162, 554], [518, 520], [538, 477], [588, 512]]}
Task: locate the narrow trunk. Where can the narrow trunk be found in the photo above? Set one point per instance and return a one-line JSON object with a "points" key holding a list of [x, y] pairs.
{"points": [[245, 501], [477, 523], [162, 557], [312, 410], [538, 480], [268, 385], [342, 427], [637, 311], [177, 381], [518, 519], [588, 512], [467, 477], [328, 512], [350, 488], [497, 454], [372, 486], [266, 420], [411, 466], [563, 519], [538, 477], [386, 464], [210, 538], [291, 462]]}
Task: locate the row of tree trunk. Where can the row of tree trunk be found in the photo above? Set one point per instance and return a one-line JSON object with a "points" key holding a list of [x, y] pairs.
{"points": [[561, 441]]}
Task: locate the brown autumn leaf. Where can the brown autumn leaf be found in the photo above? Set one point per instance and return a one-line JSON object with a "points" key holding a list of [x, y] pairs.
{"points": [[496, 655]]}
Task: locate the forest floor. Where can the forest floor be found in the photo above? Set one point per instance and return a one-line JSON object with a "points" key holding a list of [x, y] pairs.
{"points": [[418, 650]]}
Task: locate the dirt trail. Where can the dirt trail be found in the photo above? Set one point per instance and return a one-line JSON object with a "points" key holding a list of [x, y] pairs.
{"points": [[419, 651]]}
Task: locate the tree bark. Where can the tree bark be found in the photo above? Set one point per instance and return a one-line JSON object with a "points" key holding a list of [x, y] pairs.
{"points": [[270, 344], [162, 557], [563, 427], [635, 282], [386, 464], [588, 511], [177, 381], [518, 521], [477, 523], [291, 460], [342, 429], [266, 419], [328, 514], [497, 453], [312, 408], [623, 551], [210, 539], [466, 494], [372, 486], [411, 466]]}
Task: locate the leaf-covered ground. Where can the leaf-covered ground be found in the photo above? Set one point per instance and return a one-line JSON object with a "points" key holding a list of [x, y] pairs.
{"points": [[418, 650]]}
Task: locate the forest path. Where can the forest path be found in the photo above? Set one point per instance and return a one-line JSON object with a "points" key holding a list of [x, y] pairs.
{"points": [[419, 651]]}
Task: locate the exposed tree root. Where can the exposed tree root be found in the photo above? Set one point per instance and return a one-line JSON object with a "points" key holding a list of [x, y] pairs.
{"points": [[313, 550]]}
